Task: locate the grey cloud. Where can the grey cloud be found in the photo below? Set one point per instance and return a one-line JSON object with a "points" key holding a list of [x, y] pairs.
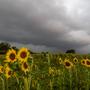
{"points": [[51, 24]]}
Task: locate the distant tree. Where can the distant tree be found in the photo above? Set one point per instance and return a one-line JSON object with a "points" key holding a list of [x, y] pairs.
{"points": [[15, 48], [71, 51], [4, 47]]}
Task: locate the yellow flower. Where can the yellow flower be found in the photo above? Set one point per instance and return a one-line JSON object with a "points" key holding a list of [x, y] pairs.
{"points": [[11, 56], [23, 54], [87, 63], [8, 72], [68, 64], [83, 62], [14, 74], [25, 66], [1, 69], [51, 71], [75, 60], [60, 61]]}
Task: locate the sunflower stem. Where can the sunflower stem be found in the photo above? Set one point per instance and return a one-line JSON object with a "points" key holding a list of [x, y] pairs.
{"points": [[70, 73], [51, 85], [29, 78], [76, 72], [6, 84], [63, 78], [38, 86], [48, 57], [87, 80], [76, 69], [26, 83], [20, 88], [59, 79], [3, 84], [29, 82]]}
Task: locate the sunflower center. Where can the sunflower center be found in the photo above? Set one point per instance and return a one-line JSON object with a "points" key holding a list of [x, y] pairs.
{"points": [[88, 62], [67, 64], [23, 54], [83, 62], [75, 60], [9, 73], [12, 56], [25, 65], [1, 70]]}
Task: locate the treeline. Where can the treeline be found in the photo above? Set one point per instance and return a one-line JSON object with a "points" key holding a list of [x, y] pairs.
{"points": [[5, 46]]}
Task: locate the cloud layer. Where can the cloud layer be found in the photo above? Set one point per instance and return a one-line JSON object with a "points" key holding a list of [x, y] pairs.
{"points": [[46, 24]]}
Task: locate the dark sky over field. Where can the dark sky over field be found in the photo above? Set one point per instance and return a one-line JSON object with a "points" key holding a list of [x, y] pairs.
{"points": [[54, 25]]}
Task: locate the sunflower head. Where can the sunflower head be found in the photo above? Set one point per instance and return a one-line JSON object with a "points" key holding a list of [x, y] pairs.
{"points": [[75, 60], [1, 69], [87, 64], [8, 72], [23, 54], [25, 66], [51, 71], [11, 56], [83, 62], [60, 61], [68, 64]]}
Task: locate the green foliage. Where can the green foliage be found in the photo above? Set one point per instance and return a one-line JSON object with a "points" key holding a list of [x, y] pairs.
{"points": [[59, 78]]}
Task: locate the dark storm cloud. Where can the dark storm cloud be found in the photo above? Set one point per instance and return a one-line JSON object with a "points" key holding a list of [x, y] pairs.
{"points": [[46, 24]]}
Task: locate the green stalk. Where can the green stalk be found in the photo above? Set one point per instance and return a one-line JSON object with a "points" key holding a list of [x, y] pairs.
{"points": [[76, 88], [59, 79], [20, 87], [38, 86], [48, 57], [3, 84], [49, 63], [87, 88], [63, 78], [29, 78], [70, 74], [29, 82], [6, 84], [51, 85], [25, 83]]}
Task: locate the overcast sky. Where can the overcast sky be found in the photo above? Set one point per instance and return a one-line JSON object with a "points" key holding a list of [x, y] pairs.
{"points": [[54, 25]]}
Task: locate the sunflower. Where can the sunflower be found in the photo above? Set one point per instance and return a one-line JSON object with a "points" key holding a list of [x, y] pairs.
{"points": [[51, 71], [68, 64], [87, 64], [8, 72], [11, 56], [60, 61], [25, 66], [83, 62], [23, 54], [14, 74], [75, 60], [1, 69]]}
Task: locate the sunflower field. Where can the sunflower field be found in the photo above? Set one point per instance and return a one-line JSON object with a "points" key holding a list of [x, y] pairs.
{"points": [[20, 70]]}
